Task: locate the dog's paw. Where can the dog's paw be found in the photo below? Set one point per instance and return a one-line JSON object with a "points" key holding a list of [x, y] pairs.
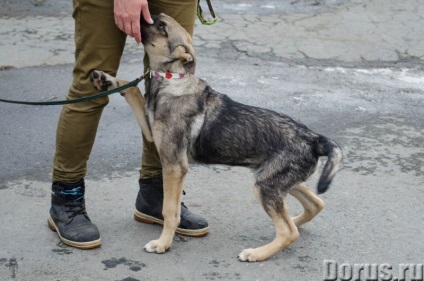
{"points": [[247, 255], [103, 81], [155, 246]]}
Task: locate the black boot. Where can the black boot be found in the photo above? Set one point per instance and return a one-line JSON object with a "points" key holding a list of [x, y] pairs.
{"points": [[148, 209], [69, 218]]}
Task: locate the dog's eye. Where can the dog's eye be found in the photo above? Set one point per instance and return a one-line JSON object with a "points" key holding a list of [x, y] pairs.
{"points": [[162, 26]]}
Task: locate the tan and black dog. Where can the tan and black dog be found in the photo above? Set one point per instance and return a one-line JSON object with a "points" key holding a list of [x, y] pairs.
{"points": [[188, 119]]}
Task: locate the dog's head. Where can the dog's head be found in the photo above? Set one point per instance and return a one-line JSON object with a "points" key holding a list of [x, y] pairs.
{"points": [[168, 45]]}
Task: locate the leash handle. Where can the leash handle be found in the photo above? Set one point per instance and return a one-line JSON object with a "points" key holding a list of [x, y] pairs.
{"points": [[100, 95]]}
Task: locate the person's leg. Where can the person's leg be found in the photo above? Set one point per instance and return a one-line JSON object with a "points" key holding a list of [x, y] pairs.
{"points": [[99, 45], [150, 196]]}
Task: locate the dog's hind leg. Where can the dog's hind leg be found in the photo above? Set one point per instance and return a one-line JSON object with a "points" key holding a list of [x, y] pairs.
{"points": [[285, 230], [311, 203]]}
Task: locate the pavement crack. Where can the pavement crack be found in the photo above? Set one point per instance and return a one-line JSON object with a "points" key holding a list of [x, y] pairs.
{"points": [[303, 18], [406, 57], [304, 54]]}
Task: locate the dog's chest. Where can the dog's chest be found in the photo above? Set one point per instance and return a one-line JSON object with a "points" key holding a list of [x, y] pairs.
{"points": [[185, 113]]}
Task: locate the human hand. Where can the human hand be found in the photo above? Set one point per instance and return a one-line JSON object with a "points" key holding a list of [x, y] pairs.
{"points": [[127, 16]]}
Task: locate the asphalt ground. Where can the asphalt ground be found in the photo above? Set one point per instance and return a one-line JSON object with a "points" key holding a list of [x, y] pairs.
{"points": [[373, 106]]}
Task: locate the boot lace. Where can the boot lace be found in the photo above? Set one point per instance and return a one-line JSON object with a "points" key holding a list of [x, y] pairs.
{"points": [[76, 207]]}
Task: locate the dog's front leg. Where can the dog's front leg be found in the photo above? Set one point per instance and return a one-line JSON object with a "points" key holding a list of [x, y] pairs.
{"points": [[173, 178], [104, 82], [136, 101]]}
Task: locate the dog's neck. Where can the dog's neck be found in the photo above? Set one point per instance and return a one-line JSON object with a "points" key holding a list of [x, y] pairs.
{"points": [[172, 83], [167, 75]]}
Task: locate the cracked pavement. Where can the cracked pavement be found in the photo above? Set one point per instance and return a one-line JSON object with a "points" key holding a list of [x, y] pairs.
{"points": [[351, 33], [358, 33]]}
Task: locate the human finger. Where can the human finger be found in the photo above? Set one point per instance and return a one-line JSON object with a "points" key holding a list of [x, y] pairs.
{"points": [[146, 13], [135, 27]]}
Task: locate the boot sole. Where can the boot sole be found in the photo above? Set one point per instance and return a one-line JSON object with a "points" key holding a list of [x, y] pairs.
{"points": [[139, 216], [80, 245]]}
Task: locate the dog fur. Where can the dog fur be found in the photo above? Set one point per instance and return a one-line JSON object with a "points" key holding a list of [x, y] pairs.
{"points": [[188, 119]]}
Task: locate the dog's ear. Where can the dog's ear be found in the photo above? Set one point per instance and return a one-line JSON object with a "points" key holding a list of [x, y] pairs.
{"points": [[190, 67], [186, 52]]}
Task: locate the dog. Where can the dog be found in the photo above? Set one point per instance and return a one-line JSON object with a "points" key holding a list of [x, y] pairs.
{"points": [[187, 119]]}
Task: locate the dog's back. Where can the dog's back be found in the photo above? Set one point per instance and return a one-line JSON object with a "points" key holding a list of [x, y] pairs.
{"points": [[266, 141]]}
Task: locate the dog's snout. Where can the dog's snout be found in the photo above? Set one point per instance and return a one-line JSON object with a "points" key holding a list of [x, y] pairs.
{"points": [[154, 18]]}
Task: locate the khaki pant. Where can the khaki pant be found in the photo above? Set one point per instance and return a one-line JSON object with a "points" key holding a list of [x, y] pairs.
{"points": [[99, 45]]}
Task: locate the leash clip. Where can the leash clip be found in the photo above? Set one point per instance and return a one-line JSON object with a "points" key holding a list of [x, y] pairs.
{"points": [[201, 15], [145, 74]]}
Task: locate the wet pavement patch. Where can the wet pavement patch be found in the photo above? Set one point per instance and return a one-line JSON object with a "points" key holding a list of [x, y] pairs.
{"points": [[129, 279], [179, 238], [114, 262], [63, 251], [12, 264], [221, 276], [304, 258], [216, 263]]}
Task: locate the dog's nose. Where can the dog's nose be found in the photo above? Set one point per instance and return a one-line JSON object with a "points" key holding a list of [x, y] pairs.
{"points": [[143, 21]]}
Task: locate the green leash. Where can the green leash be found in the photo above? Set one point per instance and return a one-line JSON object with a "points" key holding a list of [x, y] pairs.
{"points": [[100, 95]]}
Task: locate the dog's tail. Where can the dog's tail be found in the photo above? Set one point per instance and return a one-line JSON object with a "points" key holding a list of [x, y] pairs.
{"points": [[329, 148]]}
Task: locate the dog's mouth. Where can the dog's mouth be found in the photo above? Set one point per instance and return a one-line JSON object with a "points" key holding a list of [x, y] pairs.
{"points": [[144, 40]]}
